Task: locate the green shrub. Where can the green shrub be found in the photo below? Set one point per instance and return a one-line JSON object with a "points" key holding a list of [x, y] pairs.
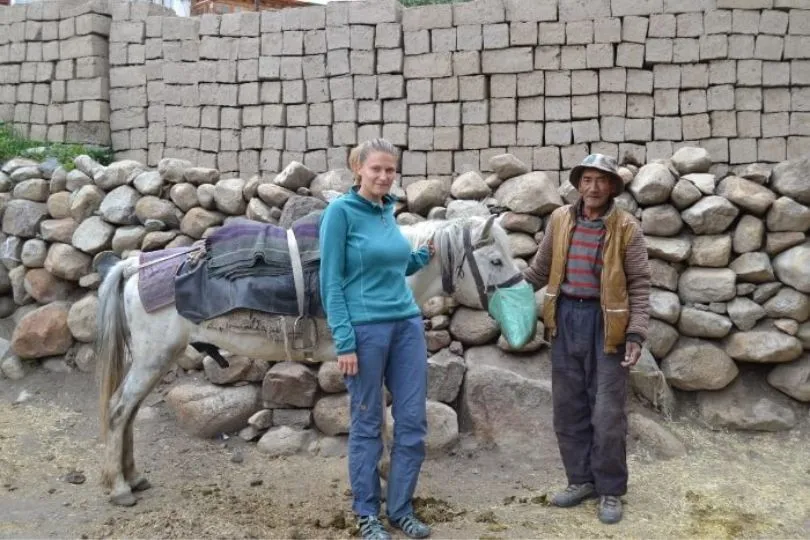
{"points": [[12, 145]]}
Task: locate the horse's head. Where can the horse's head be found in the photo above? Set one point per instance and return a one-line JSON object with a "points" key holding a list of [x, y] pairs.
{"points": [[479, 271]]}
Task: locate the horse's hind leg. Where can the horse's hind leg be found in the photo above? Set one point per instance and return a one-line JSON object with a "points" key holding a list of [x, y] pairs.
{"points": [[140, 380], [136, 480]]}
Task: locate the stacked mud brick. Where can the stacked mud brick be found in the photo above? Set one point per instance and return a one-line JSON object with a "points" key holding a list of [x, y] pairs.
{"points": [[246, 92], [453, 84], [54, 76], [552, 80], [135, 104]]}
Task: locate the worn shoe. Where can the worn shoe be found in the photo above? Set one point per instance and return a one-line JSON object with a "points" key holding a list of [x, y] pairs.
{"points": [[610, 509], [411, 526], [573, 495], [371, 528]]}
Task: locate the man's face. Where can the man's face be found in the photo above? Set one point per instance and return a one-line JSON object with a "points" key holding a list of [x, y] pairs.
{"points": [[596, 188]]}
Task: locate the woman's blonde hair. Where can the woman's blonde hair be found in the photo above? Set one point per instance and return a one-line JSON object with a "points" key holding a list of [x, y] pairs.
{"points": [[360, 153]]}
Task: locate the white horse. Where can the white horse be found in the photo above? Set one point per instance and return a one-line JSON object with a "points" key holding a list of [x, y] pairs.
{"points": [[472, 260]]}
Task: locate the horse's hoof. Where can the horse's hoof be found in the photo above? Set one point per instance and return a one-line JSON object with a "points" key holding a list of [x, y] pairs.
{"points": [[142, 484], [123, 499]]}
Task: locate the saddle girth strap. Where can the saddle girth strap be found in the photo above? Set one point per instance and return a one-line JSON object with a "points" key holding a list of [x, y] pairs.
{"points": [[298, 270]]}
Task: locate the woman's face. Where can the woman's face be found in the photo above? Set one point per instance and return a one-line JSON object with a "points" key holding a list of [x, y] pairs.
{"points": [[377, 174]]}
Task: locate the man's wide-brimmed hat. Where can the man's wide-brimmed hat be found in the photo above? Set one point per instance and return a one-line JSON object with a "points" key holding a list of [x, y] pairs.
{"points": [[600, 162]]}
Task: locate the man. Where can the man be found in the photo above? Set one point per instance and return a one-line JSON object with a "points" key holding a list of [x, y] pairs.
{"points": [[593, 261]]}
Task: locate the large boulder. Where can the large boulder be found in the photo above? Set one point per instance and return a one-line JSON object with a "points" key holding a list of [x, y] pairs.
{"points": [[67, 262], [744, 313], [790, 178], [754, 267], [118, 206], [652, 184], [442, 431], [654, 436], [531, 193], [45, 288], [791, 267], [793, 378], [82, 319], [506, 398], [332, 414], [746, 194], [117, 174], [698, 323], [711, 250], [43, 332], [285, 441], [669, 249], [763, 346], [206, 410], [228, 196], [788, 303], [445, 375], [507, 166], [339, 180], [696, 364], [704, 285], [691, 159], [93, 235], [710, 215], [289, 384], [786, 215], [473, 327], [746, 404], [173, 169], [661, 337], [665, 305], [22, 217], [471, 186], [297, 207], [294, 176], [330, 378], [648, 382], [661, 220]]}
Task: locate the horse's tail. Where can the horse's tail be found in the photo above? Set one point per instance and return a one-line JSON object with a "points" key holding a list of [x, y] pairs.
{"points": [[112, 337]]}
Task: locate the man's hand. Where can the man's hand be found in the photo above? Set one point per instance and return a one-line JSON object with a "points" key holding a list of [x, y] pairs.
{"points": [[347, 363], [632, 354]]}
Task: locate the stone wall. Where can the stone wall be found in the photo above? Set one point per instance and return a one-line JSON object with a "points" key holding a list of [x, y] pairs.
{"points": [[453, 85], [730, 302]]}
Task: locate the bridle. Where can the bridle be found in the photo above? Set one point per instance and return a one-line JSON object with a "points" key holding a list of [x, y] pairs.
{"points": [[452, 271]]}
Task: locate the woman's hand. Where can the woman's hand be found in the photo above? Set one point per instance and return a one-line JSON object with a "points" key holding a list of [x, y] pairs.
{"points": [[347, 363], [431, 247]]}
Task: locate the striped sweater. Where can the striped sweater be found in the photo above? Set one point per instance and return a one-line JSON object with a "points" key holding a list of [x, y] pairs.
{"points": [[584, 268]]}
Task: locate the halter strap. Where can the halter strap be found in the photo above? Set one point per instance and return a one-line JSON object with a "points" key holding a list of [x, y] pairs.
{"points": [[450, 270], [480, 286]]}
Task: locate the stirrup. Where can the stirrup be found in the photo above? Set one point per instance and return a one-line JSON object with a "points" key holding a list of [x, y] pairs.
{"points": [[304, 334]]}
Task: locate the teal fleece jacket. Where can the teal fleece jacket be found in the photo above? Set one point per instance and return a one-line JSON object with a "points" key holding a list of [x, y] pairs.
{"points": [[364, 262]]}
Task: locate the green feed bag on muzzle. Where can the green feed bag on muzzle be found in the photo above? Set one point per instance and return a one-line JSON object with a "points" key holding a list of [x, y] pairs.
{"points": [[515, 310]]}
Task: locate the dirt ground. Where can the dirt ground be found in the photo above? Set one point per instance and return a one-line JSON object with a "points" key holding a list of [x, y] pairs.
{"points": [[730, 485]]}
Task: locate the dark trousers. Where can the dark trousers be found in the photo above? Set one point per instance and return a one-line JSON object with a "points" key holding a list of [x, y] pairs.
{"points": [[589, 389]]}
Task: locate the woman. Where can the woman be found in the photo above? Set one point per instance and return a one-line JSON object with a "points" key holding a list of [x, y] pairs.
{"points": [[379, 337]]}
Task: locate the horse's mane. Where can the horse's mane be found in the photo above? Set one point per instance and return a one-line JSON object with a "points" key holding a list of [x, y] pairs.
{"points": [[418, 234]]}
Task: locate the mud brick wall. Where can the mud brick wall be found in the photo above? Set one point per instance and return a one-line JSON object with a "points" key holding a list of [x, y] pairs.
{"points": [[453, 84]]}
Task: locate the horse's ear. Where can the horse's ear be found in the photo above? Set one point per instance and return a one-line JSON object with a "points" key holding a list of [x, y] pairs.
{"points": [[486, 231]]}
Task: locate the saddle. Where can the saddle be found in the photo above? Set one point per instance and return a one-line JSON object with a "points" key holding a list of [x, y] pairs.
{"points": [[254, 266]]}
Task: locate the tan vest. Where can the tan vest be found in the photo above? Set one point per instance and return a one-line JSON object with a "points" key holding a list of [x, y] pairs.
{"points": [[619, 229]]}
